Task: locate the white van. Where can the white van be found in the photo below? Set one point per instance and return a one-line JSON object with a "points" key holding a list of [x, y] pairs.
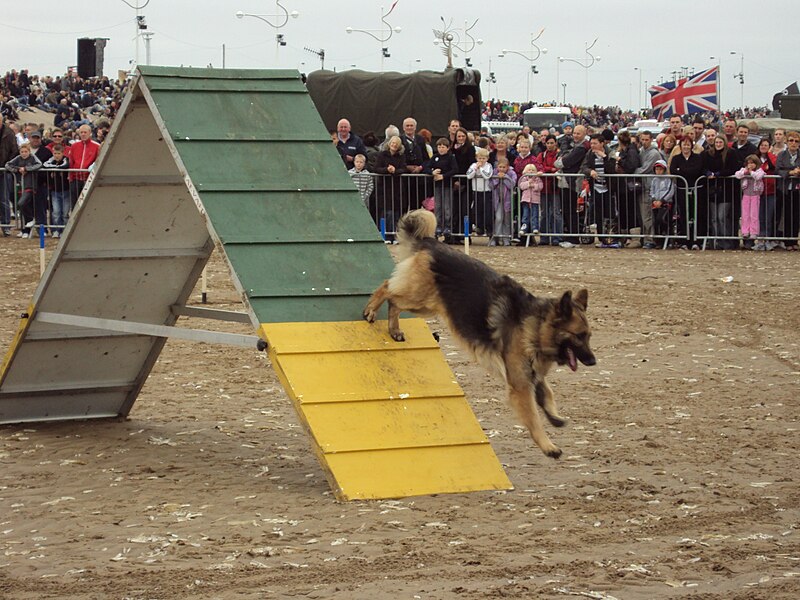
{"points": [[539, 117]]}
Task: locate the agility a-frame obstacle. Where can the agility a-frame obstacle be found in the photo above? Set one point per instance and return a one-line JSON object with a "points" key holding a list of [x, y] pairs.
{"points": [[240, 160]]}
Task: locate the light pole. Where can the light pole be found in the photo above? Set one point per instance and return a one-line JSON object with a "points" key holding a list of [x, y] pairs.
{"points": [[586, 63], [147, 35], [639, 95], [564, 85], [531, 56], [283, 18], [740, 75], [385, 34], [139, 25], [450, 38], [491, 79]]}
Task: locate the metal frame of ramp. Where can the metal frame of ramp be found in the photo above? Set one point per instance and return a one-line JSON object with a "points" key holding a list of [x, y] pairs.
{"points": [[190, 165]]}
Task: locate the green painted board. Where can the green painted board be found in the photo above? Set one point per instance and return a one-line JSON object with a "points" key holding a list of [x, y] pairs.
{"points": [[290, 217], [275, 165], [160, 84], [188, 74], [296, 233], [323, 268], [312, 309], [200, 115]]}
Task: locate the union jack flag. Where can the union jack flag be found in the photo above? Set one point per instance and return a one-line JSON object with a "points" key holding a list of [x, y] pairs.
{"points": [[685, 96]]}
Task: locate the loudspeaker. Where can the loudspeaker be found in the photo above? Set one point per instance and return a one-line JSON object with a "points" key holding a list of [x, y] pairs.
{"points": [[87, 58]]}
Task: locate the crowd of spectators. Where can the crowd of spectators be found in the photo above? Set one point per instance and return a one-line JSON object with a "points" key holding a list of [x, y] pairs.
{"points": [[612, 117], [46, 167], [561, 175], [691, 183], [72, 99]]}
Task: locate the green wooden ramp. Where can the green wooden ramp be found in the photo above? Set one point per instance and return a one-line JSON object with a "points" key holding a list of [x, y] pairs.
{"points": [[239, 160]]}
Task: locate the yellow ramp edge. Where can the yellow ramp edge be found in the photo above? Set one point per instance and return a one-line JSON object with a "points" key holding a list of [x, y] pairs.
{"points": [[387, 419]]}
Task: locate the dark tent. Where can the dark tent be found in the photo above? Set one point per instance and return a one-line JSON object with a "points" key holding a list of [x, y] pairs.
{"points": [[372, 101]]}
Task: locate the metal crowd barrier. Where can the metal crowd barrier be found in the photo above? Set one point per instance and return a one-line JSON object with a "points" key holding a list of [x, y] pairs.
{"points": [[719, 211], [622, 214], [48, 202]]}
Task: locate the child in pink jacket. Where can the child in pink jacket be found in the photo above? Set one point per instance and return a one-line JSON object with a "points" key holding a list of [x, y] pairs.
{"points": [[752, 187], [530, 184]]}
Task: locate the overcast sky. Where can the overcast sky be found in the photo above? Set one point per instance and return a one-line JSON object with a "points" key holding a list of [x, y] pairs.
{"points": [[657, 37]]}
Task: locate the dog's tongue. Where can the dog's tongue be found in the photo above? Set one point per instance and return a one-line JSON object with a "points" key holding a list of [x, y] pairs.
{"points": [[573, 362]]}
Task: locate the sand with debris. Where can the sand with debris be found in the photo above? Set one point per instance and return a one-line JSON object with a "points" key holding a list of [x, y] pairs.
{"points": [[679, 476]]}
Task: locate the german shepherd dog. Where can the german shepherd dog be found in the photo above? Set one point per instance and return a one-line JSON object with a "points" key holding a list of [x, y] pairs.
{"points": [[507, 329]]}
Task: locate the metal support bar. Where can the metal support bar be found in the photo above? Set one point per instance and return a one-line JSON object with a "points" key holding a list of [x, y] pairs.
{"points": [[210, 313], [149, 329]]}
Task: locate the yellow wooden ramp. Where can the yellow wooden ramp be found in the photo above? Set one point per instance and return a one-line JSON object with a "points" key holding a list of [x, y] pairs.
{"points": [[387, 419]]}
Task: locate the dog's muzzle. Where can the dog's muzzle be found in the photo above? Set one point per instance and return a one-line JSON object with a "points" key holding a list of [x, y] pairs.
{"points": [[572, 358]]}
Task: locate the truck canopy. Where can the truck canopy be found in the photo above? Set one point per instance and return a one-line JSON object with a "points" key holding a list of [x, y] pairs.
{"points": [[372, 101]]}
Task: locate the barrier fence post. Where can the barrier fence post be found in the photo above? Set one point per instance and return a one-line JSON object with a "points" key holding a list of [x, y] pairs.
{"points": [[41, 250], [383, 228], [466, 235]]}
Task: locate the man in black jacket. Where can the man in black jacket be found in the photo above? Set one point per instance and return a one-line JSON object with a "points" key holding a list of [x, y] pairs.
{"points": [[571, 163], [414, 189], [8, 150]]}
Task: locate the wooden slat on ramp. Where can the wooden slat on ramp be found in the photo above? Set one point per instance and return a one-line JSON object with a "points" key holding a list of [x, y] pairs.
{"points": [[386, 419]]}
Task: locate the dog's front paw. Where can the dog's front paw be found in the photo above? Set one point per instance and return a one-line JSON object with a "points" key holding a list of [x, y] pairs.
{"points": [[555, 420], [369, 315], [397, 336]]}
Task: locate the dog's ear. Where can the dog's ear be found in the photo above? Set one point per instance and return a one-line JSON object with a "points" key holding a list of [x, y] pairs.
{"points": [[564, 309], [582, 298]]}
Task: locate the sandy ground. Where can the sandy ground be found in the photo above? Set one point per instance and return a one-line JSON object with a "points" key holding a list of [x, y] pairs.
{"points": [[679, 477]]}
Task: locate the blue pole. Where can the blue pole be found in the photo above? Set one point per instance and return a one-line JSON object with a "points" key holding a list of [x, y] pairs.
{"points": [[383, 228], [466, 226], [41, 250]]}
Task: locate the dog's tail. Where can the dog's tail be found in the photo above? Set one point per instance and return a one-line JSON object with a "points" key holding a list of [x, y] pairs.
{"points": [[416, 225]]}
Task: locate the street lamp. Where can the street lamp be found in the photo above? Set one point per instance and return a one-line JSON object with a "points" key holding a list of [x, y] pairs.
{"points": [[282, 19], [740, 75], [385, 34], [531, 56], [639, 95], [564, 85], [450, 38], [586, 63]]}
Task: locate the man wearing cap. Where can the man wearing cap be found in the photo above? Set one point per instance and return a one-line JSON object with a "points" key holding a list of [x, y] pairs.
{"points": [[648, 156], [8, 150]]}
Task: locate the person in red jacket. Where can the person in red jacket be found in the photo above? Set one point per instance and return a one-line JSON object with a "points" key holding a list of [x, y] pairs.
{"points": [[552, 218], [82, 156]]}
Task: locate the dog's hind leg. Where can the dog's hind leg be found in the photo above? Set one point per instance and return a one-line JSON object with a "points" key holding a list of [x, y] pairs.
{"points": [[379, 296], [522, 401], [544, 398]]}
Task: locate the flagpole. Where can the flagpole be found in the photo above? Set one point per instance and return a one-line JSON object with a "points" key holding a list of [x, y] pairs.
{"points": [[719, 81]]}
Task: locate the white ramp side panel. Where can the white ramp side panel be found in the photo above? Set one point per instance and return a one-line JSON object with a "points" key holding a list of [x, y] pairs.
{"points": [[134, 247]]}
